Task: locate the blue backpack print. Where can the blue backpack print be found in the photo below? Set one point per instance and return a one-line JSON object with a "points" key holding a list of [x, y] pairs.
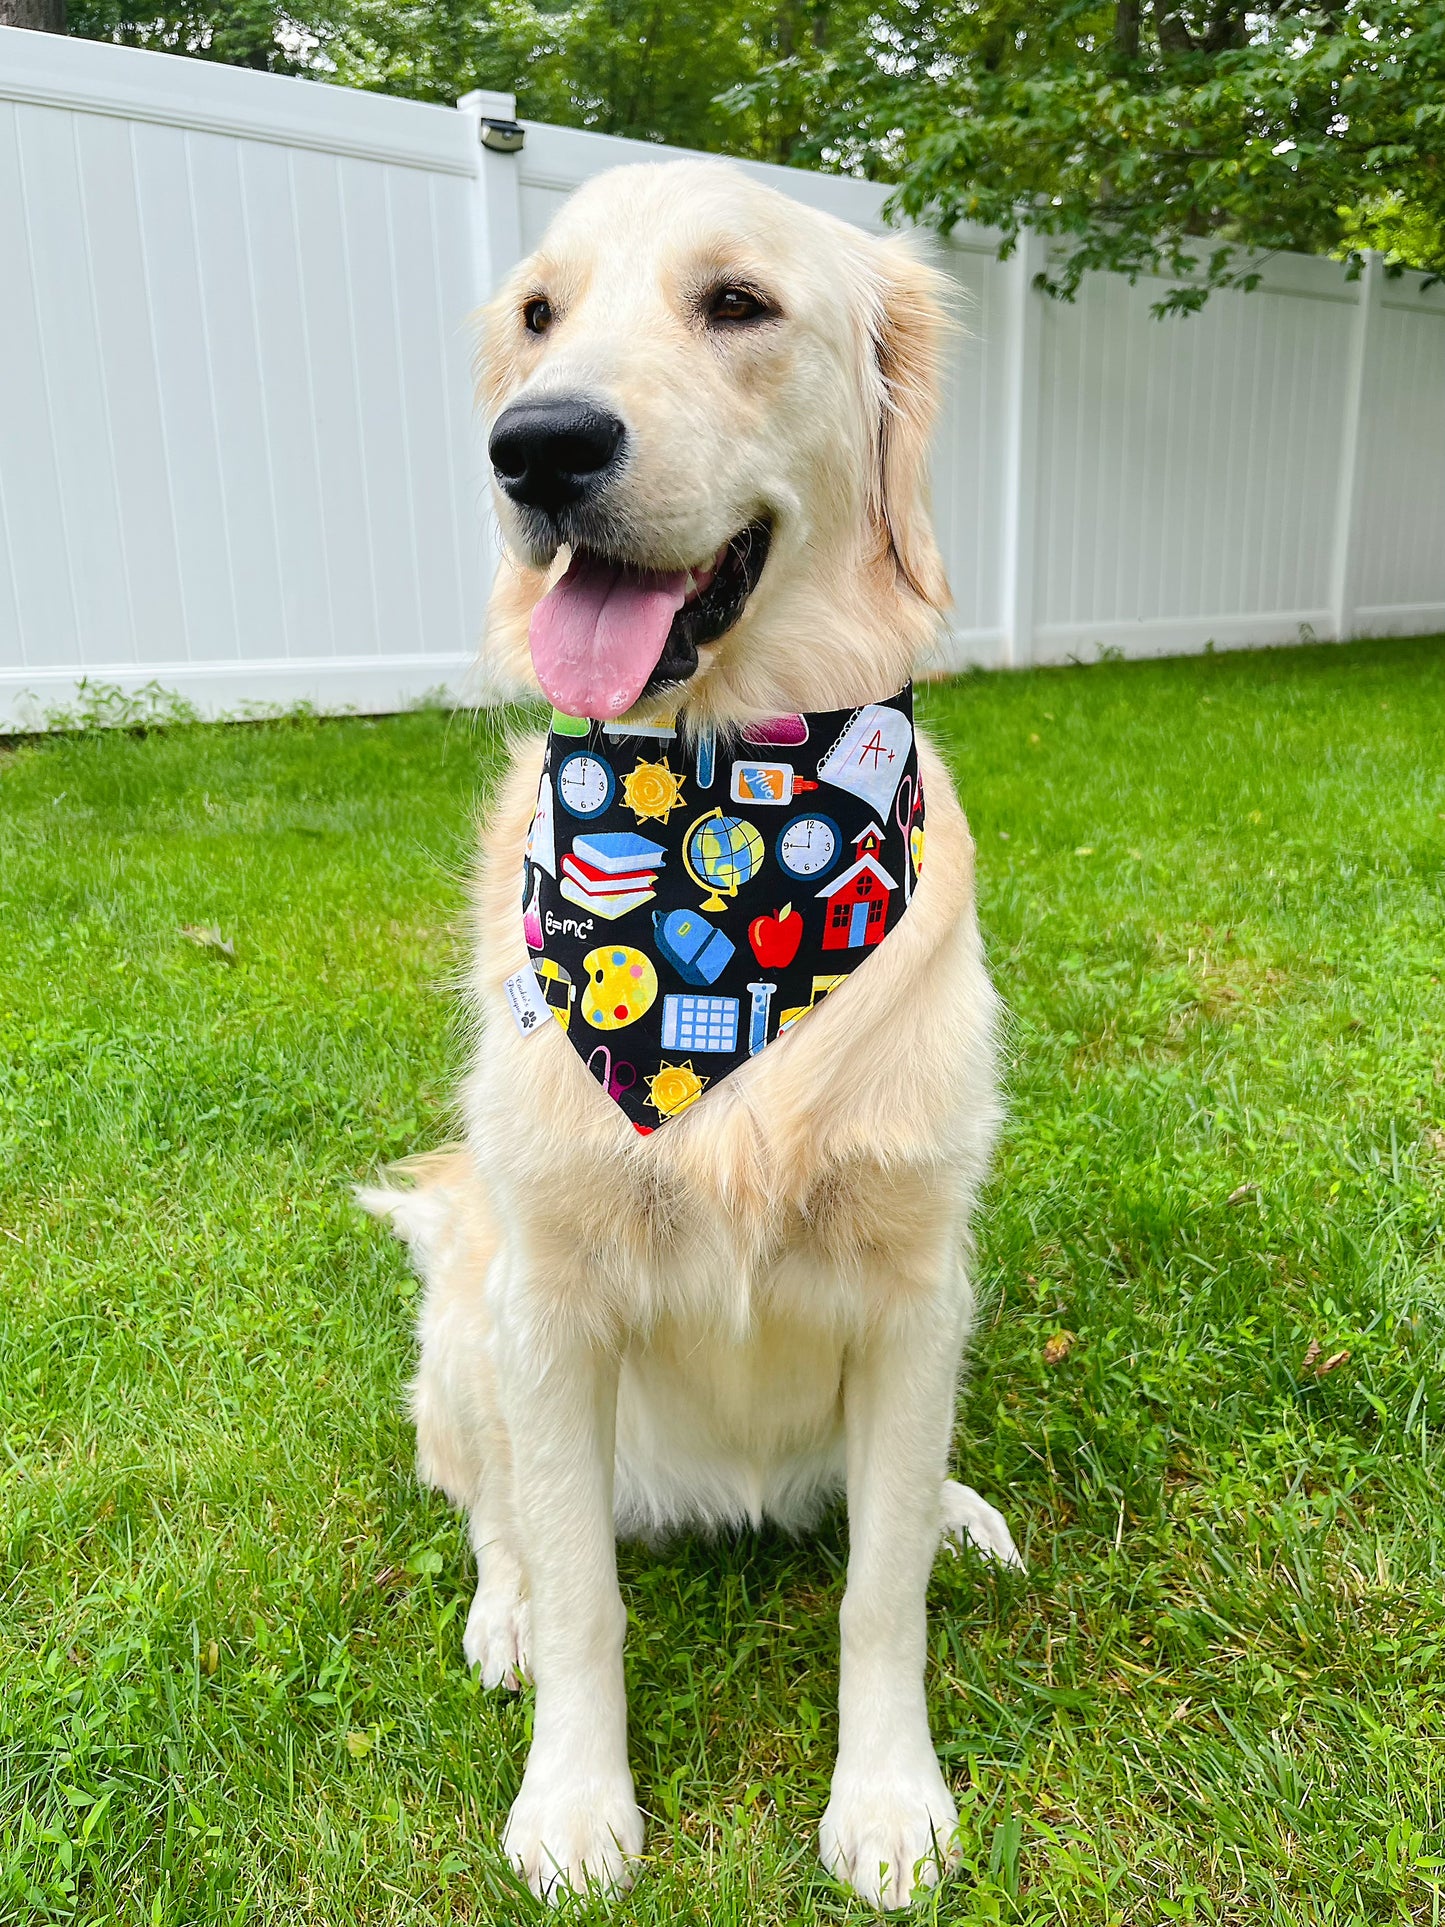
{"points": [[697, 952]]}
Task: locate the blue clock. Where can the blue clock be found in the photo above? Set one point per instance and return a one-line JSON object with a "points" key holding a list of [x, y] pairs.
{"points": [[585, 784], [808, 846]]}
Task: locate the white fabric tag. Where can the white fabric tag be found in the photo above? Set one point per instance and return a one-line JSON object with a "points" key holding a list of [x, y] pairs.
{"points": [[529, 1008]]}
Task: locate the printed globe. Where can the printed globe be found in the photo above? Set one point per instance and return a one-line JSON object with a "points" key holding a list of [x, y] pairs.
{"points": [[726, 853]]}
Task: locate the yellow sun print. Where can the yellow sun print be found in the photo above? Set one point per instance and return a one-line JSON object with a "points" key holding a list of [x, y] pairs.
{"points": [[674, 1087], [651, 791]]}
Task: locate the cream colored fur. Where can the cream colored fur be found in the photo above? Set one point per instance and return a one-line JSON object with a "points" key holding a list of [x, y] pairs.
{"points": [[764, 1303]]}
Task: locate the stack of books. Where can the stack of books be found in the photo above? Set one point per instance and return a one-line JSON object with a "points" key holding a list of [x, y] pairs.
{"points": [[612, 873]]}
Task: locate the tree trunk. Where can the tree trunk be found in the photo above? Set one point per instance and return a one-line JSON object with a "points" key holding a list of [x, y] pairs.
{"points": [[1126, 29], [1174, 36], [1228, 28], [46, 16]]}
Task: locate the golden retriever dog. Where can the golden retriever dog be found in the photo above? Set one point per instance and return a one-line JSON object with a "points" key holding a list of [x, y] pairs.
{"points": [[764, 1304]]}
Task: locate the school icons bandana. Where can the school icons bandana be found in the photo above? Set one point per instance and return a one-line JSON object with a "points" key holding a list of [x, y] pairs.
{"points": [[685, 901]]}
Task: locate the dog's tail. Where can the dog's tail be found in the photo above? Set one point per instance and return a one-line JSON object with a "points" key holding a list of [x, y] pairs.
{"points": [[441, 1214], [436, 1189]]}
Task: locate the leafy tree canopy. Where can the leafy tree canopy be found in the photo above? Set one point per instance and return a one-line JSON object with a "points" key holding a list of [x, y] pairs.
{"points": [[1174, 136], [1148, 134]]}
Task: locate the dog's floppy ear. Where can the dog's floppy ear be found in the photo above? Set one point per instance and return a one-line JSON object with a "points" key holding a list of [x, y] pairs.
{"points": [[909, 326]]}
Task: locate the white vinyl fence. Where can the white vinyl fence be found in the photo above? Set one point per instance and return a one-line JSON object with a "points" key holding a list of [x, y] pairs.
{"points": [[237, 455]]}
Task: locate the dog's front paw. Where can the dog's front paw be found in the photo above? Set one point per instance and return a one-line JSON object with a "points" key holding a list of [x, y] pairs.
{"points": [[498, 1635], [568, 1834], [969, 1519], [886, 1834]]}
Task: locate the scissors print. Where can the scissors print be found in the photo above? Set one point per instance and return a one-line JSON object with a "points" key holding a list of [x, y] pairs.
{"points": [[903, 817], [615, 1079]]}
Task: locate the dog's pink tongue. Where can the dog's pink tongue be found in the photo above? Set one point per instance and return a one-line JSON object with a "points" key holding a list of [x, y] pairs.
{"points": [[598, 633]]}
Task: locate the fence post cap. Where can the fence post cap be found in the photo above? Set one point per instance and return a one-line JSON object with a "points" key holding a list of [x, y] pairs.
{"points": [[487, 105]]}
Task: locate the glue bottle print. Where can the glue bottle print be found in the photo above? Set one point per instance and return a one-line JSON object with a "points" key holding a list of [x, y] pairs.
{"points": [[767, 783]]}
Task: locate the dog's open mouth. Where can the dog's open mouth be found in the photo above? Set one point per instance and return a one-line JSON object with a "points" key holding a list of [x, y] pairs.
{"points": [[608, 633]]}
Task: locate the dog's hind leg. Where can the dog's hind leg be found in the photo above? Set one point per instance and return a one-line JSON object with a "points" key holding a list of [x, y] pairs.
{"points": [[461, 1441], [498, 1632], [462, 1448], [969, 1519]]}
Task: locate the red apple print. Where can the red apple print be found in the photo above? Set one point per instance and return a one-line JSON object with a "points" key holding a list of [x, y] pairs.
{"points": [[775, 939]]}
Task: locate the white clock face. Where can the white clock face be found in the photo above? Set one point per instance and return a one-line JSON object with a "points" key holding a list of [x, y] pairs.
{"points": [[808, 846], [584, 784]]}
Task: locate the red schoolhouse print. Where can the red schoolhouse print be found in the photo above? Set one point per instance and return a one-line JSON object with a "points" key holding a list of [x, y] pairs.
{"points": [[857, 901]]}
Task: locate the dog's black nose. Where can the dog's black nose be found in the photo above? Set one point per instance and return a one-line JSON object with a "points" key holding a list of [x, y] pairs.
{"points": [[549, 453]]}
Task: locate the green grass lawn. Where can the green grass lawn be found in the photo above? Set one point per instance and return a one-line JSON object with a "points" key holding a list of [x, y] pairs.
{"points": [[231, 1680]]}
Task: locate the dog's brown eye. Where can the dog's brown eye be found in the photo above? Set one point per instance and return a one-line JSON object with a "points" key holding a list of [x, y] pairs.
{"points": [[537, 314], [732, 303]]}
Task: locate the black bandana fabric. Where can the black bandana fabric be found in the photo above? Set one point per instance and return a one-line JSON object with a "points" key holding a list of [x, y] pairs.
{"points": [[685, 901]]}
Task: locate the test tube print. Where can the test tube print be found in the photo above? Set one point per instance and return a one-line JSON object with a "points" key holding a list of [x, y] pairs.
{"points": [[762, 996]]}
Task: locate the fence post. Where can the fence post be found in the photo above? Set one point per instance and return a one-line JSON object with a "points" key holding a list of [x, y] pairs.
{"points": [[1344, 564], [496, 249], [1021, 422], [497, 221]]}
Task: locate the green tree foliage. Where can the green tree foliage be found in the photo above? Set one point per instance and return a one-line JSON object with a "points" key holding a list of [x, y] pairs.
{"points": [[644, 68], [239, 33], [1169, 135], [1182, 137], [659, 70]]}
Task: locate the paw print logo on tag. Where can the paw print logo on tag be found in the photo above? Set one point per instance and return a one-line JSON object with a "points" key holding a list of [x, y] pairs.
{"points": [[527, 1001]]}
